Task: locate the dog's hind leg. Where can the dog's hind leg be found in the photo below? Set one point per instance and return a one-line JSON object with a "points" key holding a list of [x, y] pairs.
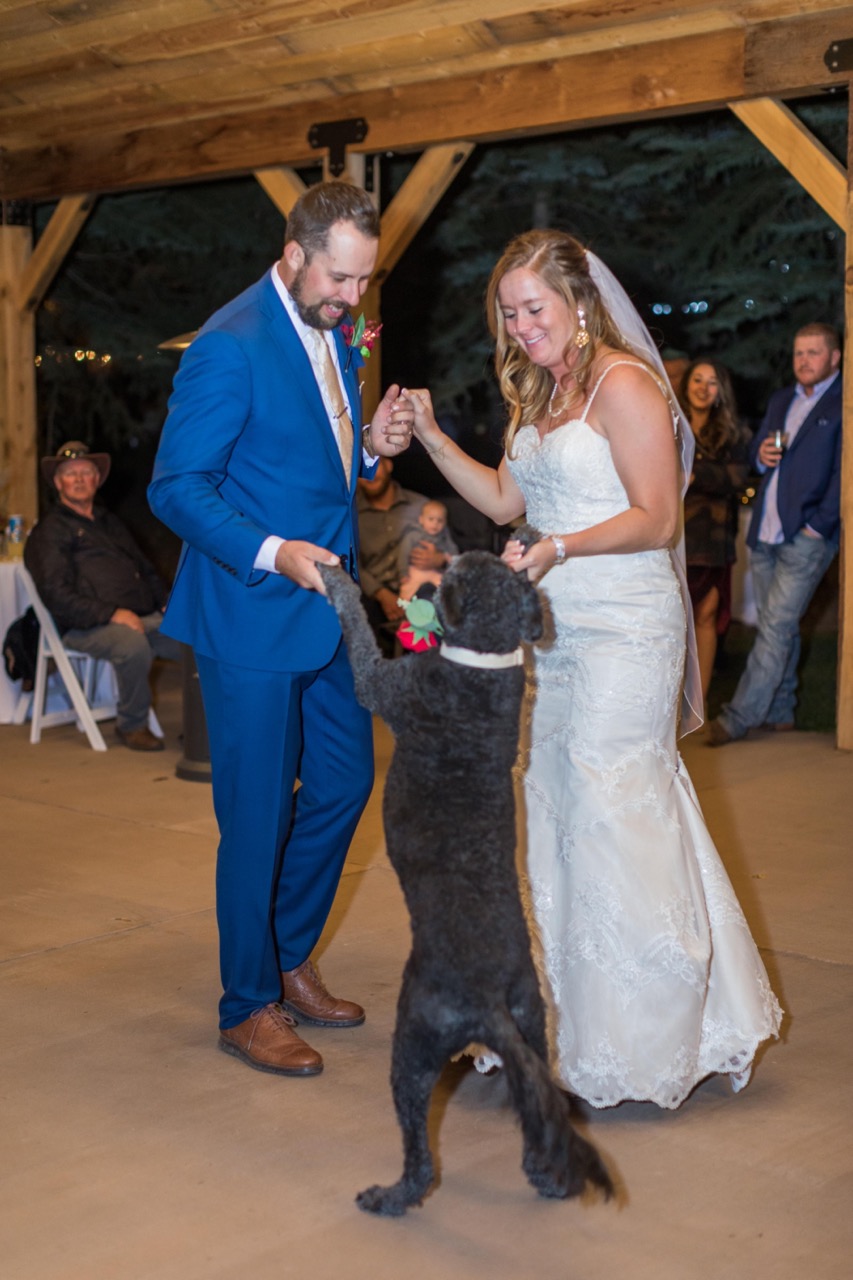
{"points": [[527, 1009], [557, 1161], [419, 1054]]}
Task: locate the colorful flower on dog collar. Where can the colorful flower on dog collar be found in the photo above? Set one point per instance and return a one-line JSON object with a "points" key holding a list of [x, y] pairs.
{"points": [[361, 337], [422, 628]]}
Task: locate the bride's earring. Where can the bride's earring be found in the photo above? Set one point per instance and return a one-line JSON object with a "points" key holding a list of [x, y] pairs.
{"points": [[582, 335]]}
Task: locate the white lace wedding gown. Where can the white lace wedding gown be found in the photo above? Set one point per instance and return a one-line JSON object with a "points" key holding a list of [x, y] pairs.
{"points": [[653, 975]]}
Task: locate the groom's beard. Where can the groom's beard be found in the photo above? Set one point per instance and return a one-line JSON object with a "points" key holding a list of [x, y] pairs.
{"points": [[311, 313]]}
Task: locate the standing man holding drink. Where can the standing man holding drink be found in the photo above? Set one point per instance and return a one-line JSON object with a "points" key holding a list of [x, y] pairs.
{"points": [[794, 531]]}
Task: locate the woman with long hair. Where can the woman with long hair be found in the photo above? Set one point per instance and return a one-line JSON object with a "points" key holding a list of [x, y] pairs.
{"points": [[720, 471], [653, 978]]}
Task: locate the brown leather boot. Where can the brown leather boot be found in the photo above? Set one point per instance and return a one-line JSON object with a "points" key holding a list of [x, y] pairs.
{"points": [[139, 739], [308, 1000], [267, 1042]]}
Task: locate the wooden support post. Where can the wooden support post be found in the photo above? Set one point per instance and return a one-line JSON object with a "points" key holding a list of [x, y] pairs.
{"points": [[25, 276], [283, 186], [53, 244], [806, 159], [415, 201], [18, 470], [844, 703]]}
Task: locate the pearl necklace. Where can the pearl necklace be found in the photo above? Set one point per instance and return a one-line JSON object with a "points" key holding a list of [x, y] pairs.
{"points": [[565, 395]]}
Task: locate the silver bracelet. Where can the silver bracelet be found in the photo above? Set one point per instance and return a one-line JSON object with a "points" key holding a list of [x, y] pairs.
{"points": [[560, 546]]}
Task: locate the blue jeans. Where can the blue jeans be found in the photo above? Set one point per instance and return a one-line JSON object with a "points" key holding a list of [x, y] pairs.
{"points": [[785, 576], [131, 654]]}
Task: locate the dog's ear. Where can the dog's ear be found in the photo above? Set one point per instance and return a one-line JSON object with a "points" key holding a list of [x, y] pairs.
{"points": [[449, 603], [529, 608]]}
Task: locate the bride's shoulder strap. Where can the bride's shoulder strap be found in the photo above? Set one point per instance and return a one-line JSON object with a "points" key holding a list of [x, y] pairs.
{"points": [[636, 364]]}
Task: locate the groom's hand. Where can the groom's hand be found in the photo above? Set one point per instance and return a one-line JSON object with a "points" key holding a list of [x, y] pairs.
{"points": [[298, 561], [391, 429]]}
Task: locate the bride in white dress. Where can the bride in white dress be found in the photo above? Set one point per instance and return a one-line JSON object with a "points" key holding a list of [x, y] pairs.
{"points": [[651, 975]]}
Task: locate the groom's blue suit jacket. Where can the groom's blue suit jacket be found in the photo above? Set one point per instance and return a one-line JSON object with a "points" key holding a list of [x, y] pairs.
{"points": [[247, 451], [809, 490]]}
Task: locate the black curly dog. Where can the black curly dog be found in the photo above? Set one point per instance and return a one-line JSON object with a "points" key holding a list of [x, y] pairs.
{"points": [[449, 813]]}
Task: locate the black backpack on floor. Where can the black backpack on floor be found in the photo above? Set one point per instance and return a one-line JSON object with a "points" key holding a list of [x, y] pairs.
{"points": [[20, 649]]}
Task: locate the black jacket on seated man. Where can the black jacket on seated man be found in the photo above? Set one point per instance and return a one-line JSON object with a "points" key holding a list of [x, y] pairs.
{"points": [[85, 569]]}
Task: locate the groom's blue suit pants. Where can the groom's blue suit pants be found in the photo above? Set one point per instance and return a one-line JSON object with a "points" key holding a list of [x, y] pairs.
{"points": [[281, 852]]}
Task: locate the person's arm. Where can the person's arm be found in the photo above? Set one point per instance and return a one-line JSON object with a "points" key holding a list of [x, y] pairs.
{"points": [[494, 492], [121, 535], [208, 410], [632, 414], [823, 520]]}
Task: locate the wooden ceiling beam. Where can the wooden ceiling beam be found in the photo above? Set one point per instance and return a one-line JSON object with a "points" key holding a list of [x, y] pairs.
{"points": [[662, 77]]}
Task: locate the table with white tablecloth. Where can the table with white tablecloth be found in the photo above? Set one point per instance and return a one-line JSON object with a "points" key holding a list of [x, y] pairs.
{"points": [[13, 602]]}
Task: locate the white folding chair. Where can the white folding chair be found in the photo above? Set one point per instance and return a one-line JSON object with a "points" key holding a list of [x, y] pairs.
{"points": [[88, 683]]}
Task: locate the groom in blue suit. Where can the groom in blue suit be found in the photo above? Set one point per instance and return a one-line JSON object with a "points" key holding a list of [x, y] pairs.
{"points": [[256, 472], [794, 532]]}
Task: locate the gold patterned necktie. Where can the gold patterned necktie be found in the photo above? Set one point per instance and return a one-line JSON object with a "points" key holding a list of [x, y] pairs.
{"points": [[331, 381]]}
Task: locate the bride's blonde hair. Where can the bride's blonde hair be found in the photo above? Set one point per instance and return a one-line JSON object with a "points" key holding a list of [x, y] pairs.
{"points": [[561, 263]]}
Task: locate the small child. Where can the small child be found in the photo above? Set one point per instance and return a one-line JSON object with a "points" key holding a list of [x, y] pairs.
{"points": [[432, 534]]}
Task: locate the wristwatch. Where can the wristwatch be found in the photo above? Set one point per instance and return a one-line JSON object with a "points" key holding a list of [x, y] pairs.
{"points": [[366, 442]]}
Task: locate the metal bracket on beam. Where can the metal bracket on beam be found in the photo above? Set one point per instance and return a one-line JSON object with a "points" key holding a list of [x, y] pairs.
{"points": [[337, 135], [839, 55]]}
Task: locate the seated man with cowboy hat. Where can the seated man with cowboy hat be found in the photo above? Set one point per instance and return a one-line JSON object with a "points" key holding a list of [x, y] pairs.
{"points": [[104, 595]]}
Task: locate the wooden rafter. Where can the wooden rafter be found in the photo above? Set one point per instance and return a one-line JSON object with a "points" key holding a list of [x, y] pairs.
{"points": [[47, 257], [794, 146]]}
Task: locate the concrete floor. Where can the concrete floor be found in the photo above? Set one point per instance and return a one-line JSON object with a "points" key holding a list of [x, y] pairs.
{"points": [[134, 1150]]}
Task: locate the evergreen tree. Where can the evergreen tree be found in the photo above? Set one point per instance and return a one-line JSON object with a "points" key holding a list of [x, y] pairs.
{"points": [[721, 249]]}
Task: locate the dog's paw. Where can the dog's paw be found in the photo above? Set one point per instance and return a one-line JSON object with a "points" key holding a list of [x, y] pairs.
{"points": [[526, 534], [390, 1202], [339, 585]]}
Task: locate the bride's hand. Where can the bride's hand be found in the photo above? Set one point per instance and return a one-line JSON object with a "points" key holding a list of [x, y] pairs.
{"points": [[535, 561], [426, 428]]}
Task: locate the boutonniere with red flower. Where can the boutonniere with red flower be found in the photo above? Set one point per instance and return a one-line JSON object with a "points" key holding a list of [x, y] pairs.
{"points": [[361, 338]]}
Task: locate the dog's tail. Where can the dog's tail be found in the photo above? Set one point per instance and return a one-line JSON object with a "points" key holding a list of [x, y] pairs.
{"points": [[558, 1161]]}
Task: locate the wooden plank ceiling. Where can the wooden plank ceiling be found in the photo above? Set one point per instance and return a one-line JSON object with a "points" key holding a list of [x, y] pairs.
{"points": [[107, 94]]}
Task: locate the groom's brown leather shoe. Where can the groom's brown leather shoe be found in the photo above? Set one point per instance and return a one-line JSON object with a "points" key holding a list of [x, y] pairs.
{"points": [[267, 1042], [308, 1000]]}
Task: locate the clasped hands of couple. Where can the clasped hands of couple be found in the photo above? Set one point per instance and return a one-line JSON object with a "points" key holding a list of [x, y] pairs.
{"points": [[401, 414]]}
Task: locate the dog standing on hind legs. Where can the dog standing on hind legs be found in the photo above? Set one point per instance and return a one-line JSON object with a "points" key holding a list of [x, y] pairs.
{"points": [[449, 813]]}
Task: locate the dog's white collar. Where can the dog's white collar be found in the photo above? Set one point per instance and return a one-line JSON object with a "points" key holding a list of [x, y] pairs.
{"points": [[471, 657]]}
